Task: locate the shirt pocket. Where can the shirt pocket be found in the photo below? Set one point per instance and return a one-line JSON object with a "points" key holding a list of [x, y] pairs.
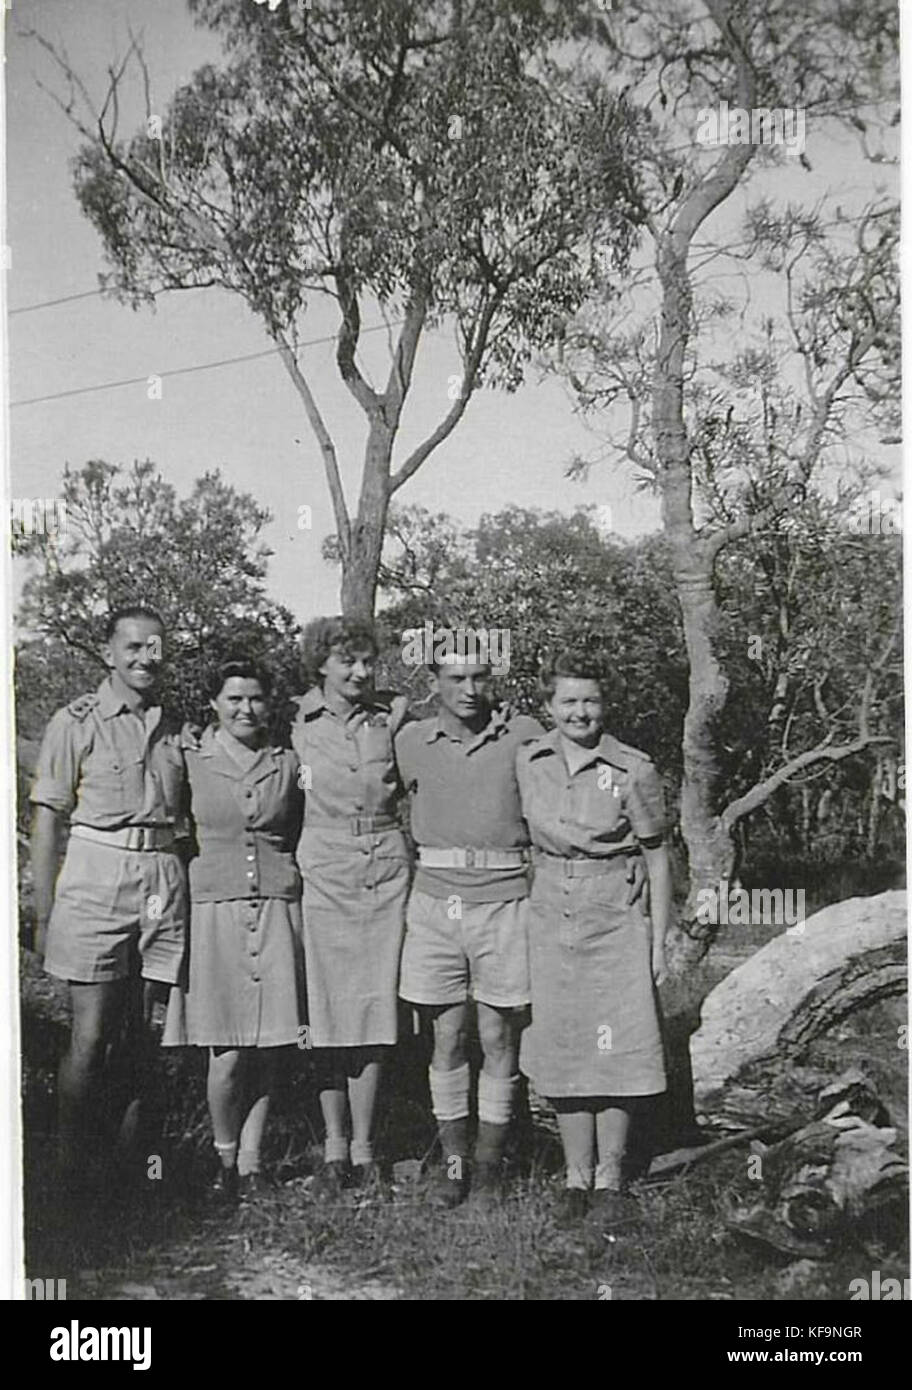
{"points": [[107, 777], [598, 805]]}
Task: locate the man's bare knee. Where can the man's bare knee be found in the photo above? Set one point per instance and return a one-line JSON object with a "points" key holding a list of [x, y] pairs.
{"points": [[450, 1038]]}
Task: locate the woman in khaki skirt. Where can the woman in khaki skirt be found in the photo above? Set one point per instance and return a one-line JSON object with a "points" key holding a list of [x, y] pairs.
{"points": [[593, 1046], [355, 866], [243, 992]]}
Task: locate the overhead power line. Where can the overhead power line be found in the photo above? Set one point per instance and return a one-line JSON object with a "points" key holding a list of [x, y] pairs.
{"points": [[186, 371]]}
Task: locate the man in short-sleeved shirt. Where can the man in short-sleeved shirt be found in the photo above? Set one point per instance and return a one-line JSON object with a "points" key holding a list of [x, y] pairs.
{"points": [[112, 764], [465, 928]]}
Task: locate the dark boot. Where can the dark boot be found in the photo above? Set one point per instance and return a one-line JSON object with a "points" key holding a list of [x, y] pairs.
{"points": [[487, 1170], [451, 1181]]}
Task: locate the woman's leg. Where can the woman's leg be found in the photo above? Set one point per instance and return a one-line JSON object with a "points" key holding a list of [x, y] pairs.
{"points": [[334, 1105], [225, 1094], [612, 1126], [262, 1069], [365, 1071], [577, 1132]]}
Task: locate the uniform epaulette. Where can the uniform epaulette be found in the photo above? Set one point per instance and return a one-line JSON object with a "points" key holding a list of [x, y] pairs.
{"points": [[82, 705], [190, 735], [635, 754]]}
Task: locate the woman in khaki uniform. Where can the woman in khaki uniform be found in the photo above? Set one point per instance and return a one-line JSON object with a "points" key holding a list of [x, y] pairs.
{"points": [[243, 996], [355, 866], [594, 1045]]}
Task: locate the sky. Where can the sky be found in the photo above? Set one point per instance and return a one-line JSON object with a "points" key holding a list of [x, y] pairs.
{"points": [[246, 420]]}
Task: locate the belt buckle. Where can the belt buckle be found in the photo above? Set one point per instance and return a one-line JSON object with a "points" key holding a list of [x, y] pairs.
{"points": [[470, 857], [356, 825]]}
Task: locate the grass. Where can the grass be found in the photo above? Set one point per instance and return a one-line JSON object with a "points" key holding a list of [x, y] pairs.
{"points": [[286, 1246], [164, 1240]]}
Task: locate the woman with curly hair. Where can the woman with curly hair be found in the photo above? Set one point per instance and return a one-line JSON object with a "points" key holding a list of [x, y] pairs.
{"points": [[355, 866], [594, 1047]]}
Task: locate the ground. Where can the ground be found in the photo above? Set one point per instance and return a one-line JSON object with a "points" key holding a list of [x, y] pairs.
{"points": [[162, 1239]]}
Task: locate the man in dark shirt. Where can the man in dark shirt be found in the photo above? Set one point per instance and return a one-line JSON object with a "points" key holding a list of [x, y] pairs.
{"points": [[465, 923]]}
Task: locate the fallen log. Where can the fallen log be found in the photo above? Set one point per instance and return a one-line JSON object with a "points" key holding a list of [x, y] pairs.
{"points": [[748, 1054]]}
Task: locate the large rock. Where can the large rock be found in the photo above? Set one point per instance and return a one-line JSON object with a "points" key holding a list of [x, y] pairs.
{"points": [[757, 1024]]}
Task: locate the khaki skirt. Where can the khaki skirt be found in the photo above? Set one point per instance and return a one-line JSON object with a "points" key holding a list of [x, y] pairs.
{"points": [[355, 890], [595, 1027], [244, 978]]}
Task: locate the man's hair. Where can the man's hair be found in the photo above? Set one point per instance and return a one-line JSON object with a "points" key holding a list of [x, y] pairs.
{"points": [[241, 666], [572, 664], [133, 610], [435, 667], [324, 635]]}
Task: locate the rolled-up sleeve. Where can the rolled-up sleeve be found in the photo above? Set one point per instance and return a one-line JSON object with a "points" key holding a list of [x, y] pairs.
{"points": [[646, 803], [57, 773]]}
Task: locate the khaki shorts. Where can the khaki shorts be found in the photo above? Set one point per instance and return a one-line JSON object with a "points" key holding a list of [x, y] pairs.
{"points": [[482, 954], [109, 905]]}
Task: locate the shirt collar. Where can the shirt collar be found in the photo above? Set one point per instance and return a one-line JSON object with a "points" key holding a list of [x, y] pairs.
{"points": [[607, 750], [313, 703], [495, 726], [110, 703], [211, 747]]}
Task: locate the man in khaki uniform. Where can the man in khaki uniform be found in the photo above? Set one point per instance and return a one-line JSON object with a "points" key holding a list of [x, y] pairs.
{"points": [[466, 935], [113, 924]]}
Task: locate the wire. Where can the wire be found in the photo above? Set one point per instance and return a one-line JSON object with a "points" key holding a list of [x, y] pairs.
{"points": [[186, 371], [50, 303]]}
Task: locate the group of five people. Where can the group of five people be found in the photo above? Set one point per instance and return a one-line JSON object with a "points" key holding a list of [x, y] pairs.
{"points": [[310, 915]]}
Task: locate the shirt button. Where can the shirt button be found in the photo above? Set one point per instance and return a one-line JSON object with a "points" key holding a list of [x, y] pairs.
{"points": [[250, 858], [248, 792]]}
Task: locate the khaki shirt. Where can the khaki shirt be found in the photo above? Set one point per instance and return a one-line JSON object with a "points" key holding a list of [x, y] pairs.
{"points": [[109, 766], [608, 805], [347, 766], [246, 820], [465, 795]]}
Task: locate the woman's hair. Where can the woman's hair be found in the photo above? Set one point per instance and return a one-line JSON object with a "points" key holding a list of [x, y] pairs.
{"points": [[241, 666], [324, 634], [572, 663]]}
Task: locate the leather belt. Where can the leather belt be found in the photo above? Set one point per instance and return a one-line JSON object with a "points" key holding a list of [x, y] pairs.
{"points": [[580, 868], [356, 825], [132, 837], [472, 858]]}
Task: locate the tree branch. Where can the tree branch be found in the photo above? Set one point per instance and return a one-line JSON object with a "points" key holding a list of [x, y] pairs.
{"points": [[824, 752], [324, 439], [451, 420]]}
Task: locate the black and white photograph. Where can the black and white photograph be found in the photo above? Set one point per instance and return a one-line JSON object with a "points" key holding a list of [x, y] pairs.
{"points": [[455, 666]]}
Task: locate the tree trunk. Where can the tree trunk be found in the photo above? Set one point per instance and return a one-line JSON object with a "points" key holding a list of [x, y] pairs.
{"points": [[361, 558], [710, 847]]}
